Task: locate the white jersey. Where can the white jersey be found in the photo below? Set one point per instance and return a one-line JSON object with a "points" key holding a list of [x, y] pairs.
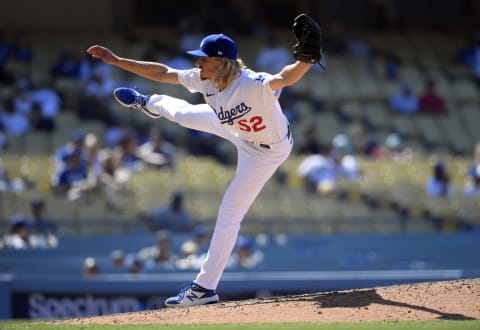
{"points": [[248, 108]]}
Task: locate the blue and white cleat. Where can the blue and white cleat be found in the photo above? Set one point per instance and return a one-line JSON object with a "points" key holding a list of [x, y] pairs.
{"points": [[192, 295], [130, 98]]}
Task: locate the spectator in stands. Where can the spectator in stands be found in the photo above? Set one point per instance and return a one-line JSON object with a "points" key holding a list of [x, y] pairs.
{"points": [[391, 67], [105, 174], [199, 242], [13, 122], [476, 157], [86, 67], [476, 62], [143, 130], [96, 98], [22, 50], [357, 46], [190, 258], [160, 255], [470, 55], [245, 255], [118, 259], [67, 65], [19, 235], [405, 101], [90, 267], [173, 216], [342, 147], [126, 154], [47, 97], [92, 150], [41, 225], [75, 144], [38, 122], [111, 180], [102, 170], [133, 264], [21, 100], [430, 101], [394, 149], [71, 181], [157, 152], [321, 171], [439, 184], [273, 56], [201, 237], [472, 187], [362, 142], [99, 68]]}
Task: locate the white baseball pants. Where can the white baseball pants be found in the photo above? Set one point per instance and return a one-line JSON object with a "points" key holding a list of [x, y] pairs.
{"points": [[255, 167]]}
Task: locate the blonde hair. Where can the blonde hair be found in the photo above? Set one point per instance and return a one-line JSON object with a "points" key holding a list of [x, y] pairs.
{"points": [[227, 72]]}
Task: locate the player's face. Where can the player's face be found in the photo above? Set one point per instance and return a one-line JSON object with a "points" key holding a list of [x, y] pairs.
{"points": [[208, 66]]}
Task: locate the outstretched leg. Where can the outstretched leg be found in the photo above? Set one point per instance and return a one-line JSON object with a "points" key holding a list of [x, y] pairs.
{"points": [[200, 117]]}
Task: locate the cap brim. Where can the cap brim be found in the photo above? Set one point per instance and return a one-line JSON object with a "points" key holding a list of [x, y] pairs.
{"points": [[197, 52]]}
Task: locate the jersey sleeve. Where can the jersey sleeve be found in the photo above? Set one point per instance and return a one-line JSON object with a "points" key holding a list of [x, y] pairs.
{"points": [[259, 86], [190, 79]]}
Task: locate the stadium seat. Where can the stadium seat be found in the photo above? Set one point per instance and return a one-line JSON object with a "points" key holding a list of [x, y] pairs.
{"points": [[351, 110], [378, 115], [37, 143], [430, 131], [464, 89], [470, 117], [404, 125], [14, 144], [459, 139]]}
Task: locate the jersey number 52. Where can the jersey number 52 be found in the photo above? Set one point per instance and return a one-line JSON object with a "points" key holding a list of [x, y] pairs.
{"points": [[253, 124]]}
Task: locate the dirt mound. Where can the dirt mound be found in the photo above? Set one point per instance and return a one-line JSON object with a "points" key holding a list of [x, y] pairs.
{"points": [[448, 300]]}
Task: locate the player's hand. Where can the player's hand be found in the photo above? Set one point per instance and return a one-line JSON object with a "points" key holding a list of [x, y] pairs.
{"points": [[102, 53]]}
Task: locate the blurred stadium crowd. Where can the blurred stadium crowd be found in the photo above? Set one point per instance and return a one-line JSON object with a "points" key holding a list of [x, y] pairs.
{"points": [[386, 140]]}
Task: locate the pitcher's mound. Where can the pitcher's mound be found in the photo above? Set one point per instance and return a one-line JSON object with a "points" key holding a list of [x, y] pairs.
{"points": [[448, 300]]}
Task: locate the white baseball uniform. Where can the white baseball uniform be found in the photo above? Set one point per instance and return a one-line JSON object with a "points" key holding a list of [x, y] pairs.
{"points": [[248, 114]]}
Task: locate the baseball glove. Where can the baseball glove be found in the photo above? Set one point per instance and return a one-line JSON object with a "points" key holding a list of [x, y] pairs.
{"points": [[308, 46]]}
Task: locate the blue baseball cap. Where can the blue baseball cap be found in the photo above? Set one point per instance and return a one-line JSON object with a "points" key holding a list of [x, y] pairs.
{"points": [[216, 45]]}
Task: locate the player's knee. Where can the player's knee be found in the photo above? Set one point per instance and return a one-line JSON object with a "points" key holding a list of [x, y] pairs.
{"points": [[182, 118]]}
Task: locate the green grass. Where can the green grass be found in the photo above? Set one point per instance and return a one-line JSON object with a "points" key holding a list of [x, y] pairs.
{"points": [[424, 325]]}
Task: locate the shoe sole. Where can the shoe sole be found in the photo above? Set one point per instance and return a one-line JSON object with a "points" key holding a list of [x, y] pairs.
{"points": [[199, 304]]}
